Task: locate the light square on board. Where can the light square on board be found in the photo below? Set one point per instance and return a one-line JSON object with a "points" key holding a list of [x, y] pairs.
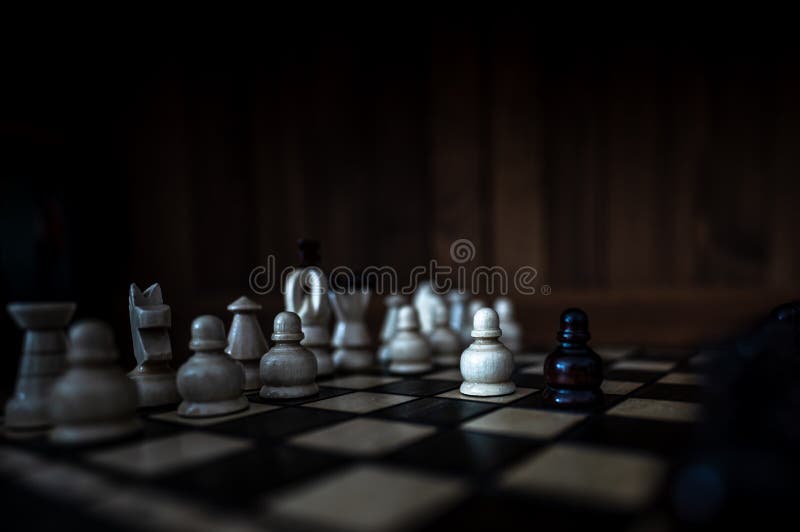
{"points": [[695, 379], [657, 410], [524, 422], [644, 365], [519, 393], [164, 455], [613, 387], [366, 497], [452, 374], [605, 478], [360, 402], [173, 417], [358, 382], [363, 436]]}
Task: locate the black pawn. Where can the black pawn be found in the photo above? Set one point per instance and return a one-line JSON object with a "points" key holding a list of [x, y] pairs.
{"points": [[573, 371]]}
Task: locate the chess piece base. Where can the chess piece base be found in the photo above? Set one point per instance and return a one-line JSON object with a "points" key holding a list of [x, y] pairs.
{"points": [[487, 389], [289, 392], [155, 389], [410, 368], [88, 433], [352, 359], [447, 360], [566, 397], [26, 415], [252, 374], [216, 408]]}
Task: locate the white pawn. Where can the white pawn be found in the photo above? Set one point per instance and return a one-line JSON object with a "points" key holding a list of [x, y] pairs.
{"points": [[445, 344], [466, 328], [389, 327], [410, 351], [210, 382], [94, 400], [512, 332], [288, 370], [487, 364]]}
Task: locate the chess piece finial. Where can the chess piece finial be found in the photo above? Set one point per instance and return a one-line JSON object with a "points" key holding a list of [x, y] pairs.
{"points": [[246, 342], [94, 400], [307, 296], [410, 351], [288, 369], [389, 328], [445, 345], [43, 361], [150, 321], [512, 332], [210, 382], [573, 372], [487, 364]]}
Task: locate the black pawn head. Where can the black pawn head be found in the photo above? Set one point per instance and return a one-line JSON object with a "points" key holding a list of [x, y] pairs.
{"points": [[309, 252], [574, 327]]}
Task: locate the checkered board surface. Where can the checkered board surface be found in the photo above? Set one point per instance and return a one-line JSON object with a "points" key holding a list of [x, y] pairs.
{"points": [[379, 452]]}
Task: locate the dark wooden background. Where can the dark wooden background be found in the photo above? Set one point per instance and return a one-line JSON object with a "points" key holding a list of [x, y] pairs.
{"points": [[649, 177]]}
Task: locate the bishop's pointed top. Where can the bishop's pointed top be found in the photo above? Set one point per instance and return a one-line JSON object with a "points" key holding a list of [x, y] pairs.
{"points": [[244, 304]]}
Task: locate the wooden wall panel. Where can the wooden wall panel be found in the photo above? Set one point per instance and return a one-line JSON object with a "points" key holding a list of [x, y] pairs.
{"points": [[460, 200]]}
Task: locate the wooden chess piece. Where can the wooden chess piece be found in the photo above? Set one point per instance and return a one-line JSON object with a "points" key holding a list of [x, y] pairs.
{"points": [[351, 340], [512, 332], [459, 319], [445, 344], [487, 364], [306, 295], [466, 329], [425, 302], [210, 382], [43, 361], [94, 400], [288, 370], [246, 342], [573, 371], [150, 321], [410, 351], [389, 327]]}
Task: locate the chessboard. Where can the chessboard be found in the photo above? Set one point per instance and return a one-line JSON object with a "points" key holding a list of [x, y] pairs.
{"points": [[374, 451]]}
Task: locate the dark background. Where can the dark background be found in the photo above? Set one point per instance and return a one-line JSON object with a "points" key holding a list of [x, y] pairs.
{"points": [[648, 174]]}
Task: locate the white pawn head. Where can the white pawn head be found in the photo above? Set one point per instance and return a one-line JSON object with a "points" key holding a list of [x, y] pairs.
{"points": [[287, 327], [441, 316], [504, 308], [91, 341], [407, 319], [475, 305], [486, 324], [208, 334]]}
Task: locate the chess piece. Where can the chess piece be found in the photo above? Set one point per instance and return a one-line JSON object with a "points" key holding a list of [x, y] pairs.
{"points": [[306, 296], [210, 382], [43, 361], [410, 351], [573, 371], [351, 339], [487, 364], [246, 342], [512, 332], [466, 330], [459, 318], [288, 370], [445, 344], [94, 400], [389, 328], [425, 301], [150, 321]]}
